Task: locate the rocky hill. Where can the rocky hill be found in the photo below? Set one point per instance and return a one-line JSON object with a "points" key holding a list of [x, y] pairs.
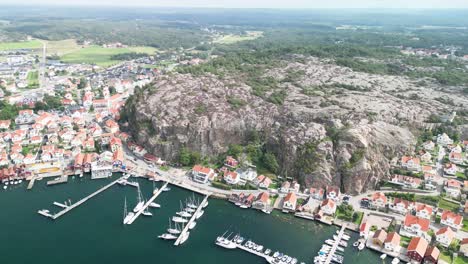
{"points": [[335, 125]]}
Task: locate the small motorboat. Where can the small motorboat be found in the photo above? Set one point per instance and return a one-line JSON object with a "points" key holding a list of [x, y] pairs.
{"points": [[355, 244]]}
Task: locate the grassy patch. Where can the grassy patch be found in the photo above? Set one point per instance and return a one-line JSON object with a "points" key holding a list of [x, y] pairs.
{"points": [[405, 241], [230, 39], [358, 218], [33, 79], [460, 260], [448, 205], [465, 225], [102, 56], [443, 256], [33, 44]]}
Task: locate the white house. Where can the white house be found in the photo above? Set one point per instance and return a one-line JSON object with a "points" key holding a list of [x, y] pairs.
{"points": [[202, 174], [289, 202], [415, 226], [392, 242], [231, 177], [429, 145], [328, 207], [450, 169], [424, 211], [411, 163], [451, 219], [444, 236]]}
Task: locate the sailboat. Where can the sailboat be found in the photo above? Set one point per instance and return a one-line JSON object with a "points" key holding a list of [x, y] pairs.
{"points": [[140, 203], [127, 215], [175, 230], [146, 212], [183, 213]]}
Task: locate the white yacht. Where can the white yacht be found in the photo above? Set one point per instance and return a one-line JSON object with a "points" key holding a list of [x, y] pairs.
{"points": [[166, 189], [174, 231], [146, 212], [179, 219], [200, 214], [155, 205], [167, 236], [192, 225]]}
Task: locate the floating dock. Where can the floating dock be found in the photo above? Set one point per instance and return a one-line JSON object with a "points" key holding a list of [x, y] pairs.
{"points": [[62, 179], [194, 217], [78, 203], [155, 195], [335, 245], [31, 183]]}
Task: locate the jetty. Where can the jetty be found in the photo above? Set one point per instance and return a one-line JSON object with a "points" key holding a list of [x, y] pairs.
{"points": [[68, 208], [31, 183], [62, 179], [335, 245], [155, 195], [192, 219]]}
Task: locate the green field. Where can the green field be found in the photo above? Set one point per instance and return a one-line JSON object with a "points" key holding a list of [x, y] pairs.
{"points": [[33, 79], [33, 44], [448, 205], [101, 56], [230, 39]]}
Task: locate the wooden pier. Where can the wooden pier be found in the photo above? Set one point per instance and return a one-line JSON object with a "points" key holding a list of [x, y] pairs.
{"points": [[335, 245], [80, 202], [155, 195], [194, 217]]}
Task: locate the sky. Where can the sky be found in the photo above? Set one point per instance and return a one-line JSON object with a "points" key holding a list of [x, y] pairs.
{"points": [[256, 3]]}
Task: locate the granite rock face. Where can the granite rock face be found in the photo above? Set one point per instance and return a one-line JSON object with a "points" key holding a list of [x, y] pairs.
{"points": [[375, 120]]}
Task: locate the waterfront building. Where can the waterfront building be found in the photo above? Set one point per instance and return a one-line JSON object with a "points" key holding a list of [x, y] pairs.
{"points": [[289, 202], [417, 249], [392, 242], [379, 237], [202, 174], [101, 169], [328, 206], [432, 255], [262, 201], [364, 230]]}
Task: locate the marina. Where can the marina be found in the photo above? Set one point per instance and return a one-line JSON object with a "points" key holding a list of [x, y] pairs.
{"points": [[68, 208], [327, 252], [253, 248], [143, 209], [197, 214]]}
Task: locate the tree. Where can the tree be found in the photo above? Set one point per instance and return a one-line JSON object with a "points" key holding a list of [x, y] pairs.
{"points": [[184, 157], [269, 160], [235, 150]]}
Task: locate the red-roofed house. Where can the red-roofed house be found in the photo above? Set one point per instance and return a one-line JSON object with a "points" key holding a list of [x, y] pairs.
{"points": [[453, 187], [231, 162], [262, 201], [450, 169], [379, 237], [328, 206], [401, 206], [333, 193], [202, 174], [289, 202], [364, 230], [5, 124], [417, 249], [445, 236], [317, 193], [411, 163], [379, 200], [424, 211], [115, 144], [451, 219], [231, 177], [432, 255], [415, 226], [112, 126], [392, 242], [456, 157]]}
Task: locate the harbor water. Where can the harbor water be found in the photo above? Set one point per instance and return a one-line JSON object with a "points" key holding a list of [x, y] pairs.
{"points": [[93, 233]]}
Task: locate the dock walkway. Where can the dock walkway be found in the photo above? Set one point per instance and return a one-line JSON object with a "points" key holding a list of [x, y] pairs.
{"points": [[80, 202], [194, 217], [155, 195], [335, 245]]}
